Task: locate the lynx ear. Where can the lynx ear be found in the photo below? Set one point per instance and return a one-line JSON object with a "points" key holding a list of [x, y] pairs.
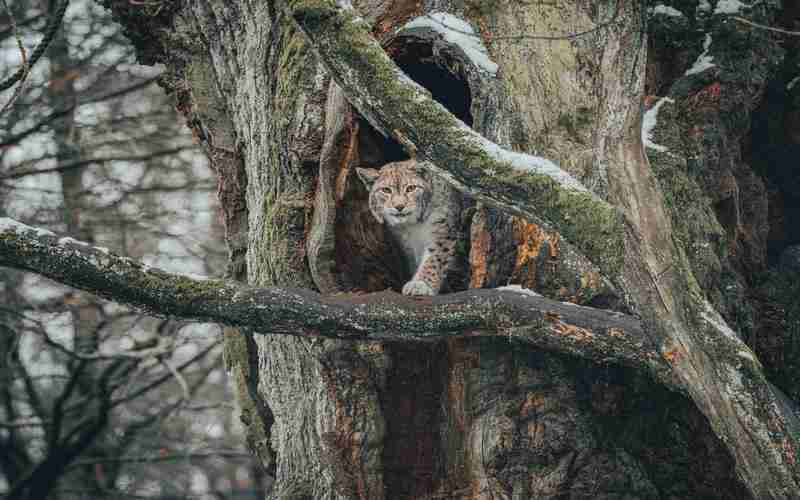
{"points": [[368, 176]]}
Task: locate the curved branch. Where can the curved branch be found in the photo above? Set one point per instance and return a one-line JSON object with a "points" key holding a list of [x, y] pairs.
{"points": [[602, 336], [520, 184]]}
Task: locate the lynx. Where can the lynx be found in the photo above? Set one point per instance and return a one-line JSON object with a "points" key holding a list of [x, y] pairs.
{"points": [[421, 215]]}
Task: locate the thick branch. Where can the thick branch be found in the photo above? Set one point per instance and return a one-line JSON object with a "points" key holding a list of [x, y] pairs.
{"points": [[602, 336], [520, 184]]}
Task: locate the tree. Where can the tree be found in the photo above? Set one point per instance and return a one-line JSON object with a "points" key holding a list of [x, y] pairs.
{"points": [[389, 415], [95, 399]]}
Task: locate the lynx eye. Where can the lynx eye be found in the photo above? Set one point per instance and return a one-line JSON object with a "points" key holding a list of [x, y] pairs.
{"points": [[386, 190], [411, 189]]}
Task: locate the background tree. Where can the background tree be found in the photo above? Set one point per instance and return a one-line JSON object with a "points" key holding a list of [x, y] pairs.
{"points": [[474, 416], [96, 400]]}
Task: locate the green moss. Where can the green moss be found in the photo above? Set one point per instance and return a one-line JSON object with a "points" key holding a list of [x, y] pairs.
{"points": [[8, 236], [183, 287], [481, 8], [576, 123], [188, 285]]}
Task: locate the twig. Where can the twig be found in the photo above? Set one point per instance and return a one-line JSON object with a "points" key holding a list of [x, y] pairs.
{"points": [[493, 38], [24, 54], [765, 27], [187, 396]]}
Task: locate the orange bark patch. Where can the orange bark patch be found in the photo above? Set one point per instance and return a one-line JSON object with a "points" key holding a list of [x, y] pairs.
{"points": [[529, 238], [552, 316], [672, 356], [481, 245], [533, 402], [616, 333], [575, 332]]}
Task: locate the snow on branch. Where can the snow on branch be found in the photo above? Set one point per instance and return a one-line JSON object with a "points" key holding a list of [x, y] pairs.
{"points": [[520, 184], [602, 336]]}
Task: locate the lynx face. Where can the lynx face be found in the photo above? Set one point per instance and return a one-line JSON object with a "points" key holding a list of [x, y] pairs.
{"points": [[399, 195]]}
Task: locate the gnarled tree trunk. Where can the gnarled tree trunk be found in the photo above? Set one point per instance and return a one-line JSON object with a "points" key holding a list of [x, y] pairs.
{"points": [[474, 417]]}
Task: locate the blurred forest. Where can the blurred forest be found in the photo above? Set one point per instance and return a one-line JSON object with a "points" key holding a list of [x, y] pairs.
{"points": [[98, 401]]}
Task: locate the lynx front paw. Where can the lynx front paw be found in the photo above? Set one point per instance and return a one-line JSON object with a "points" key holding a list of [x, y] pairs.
{"points": [[417, 287]]}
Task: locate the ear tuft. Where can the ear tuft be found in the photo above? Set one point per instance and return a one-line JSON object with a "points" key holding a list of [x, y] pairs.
{"points": [[368, 176]]}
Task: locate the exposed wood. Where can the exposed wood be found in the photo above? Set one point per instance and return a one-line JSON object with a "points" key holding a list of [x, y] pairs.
{"points": [[338, 150]]}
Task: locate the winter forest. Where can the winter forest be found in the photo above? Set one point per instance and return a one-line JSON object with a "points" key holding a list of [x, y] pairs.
{"points": [[197, 300]]}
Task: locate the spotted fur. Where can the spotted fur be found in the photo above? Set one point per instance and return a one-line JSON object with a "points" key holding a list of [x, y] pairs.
{"points": [[421, 215]]}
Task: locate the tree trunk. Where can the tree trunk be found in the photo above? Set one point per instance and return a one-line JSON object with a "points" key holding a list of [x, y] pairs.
{"points": [[476, 417]]}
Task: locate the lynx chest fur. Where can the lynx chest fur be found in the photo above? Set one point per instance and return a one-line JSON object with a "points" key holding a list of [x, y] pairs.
{"points": [[421, 215]]}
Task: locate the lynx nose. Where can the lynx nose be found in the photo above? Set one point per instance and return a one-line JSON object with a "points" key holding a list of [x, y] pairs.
{"points": [[399, 207]]}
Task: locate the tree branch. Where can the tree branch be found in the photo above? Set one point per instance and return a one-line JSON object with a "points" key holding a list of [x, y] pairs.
{"points": [[64, 167], [520, 184], [602, 336]]}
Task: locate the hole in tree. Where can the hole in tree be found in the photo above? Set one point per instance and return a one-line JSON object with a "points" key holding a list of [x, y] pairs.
{"points": [[363, 255], [441, 74]]}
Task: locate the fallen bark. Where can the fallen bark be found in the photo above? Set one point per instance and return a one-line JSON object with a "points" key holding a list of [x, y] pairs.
{"points": [[514, 313]]}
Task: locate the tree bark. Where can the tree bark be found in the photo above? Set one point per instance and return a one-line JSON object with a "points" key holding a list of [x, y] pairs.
{"points": [[464, 418]]}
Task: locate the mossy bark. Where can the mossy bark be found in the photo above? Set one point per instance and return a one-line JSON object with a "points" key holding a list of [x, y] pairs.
{"points": [[476, 418]]}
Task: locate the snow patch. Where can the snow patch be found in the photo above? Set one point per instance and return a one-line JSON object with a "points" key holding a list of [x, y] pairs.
{"points": [[714, 319], [649, 122], [703, 61], [67, 239], [666, 10], [7, 224], [196, 277], [792, 83], [460, 33], [530, 164], [730, 7], [704, 6], [518, 289], [746, 355]]}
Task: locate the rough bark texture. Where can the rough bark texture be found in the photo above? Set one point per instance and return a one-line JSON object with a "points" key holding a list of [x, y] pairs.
{"points": [[511, 313], [485, 418], [656, 276]]}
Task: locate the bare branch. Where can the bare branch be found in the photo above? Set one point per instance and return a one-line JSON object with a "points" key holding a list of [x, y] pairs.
{"points": [[765, 27], [89, 161], [23, 56], [55, 115], [602, 336], [163, 458]]}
